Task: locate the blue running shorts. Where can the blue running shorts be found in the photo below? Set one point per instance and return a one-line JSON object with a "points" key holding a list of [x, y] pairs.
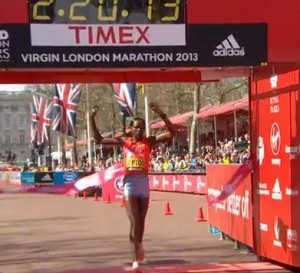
{"points": [[136, 185]]}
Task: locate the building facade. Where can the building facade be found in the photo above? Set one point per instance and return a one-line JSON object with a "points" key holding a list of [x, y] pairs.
{"points": [[15, 121]]}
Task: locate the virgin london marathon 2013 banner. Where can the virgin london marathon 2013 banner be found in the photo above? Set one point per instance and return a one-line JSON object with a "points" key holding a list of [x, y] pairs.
{"points": [[131, 46]]}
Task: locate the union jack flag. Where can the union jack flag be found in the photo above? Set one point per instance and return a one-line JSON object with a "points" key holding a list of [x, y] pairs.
{"points": [[40, 120], [125, 94], [66, 98]]}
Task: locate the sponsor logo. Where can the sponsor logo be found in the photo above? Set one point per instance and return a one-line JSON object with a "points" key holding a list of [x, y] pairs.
{"points": [[291, 239], [165, 183], [4, 46], [274, 105], [292, 149], [186, 184], [277, 241], [119, 183], [276, 191], [229, 48], [108, 35], [200, 184], [29, 179], [155, 182], [275, 138], [176, 184], [3, 35], [263, 227], [260, 149], [69, 176], [291, 192], [47, 177], [274, 81], [263, 189], [15, 176]]}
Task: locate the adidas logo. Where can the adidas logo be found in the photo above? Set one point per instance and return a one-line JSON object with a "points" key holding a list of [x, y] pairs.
{"points": [[47, 177], [229, 48], [276, 192]]}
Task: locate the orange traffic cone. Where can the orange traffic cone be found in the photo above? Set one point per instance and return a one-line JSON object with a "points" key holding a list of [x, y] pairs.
{"points": [[96, 197], [84, 195], [122, 203], [168, 209], [108, 199], [200, 217]]}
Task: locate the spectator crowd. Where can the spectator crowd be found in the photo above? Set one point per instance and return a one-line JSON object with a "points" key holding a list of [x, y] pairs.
{"points": [[164, 159]]}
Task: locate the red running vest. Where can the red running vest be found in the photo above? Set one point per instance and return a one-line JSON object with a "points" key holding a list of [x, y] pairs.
{"points": [[136, 155]]}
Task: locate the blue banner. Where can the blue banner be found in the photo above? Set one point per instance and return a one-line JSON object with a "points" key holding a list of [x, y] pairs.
{"points": [[28, 178], [63, 178]]}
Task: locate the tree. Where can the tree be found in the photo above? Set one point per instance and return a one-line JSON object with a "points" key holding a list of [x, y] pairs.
{"points": [[44, 89]]}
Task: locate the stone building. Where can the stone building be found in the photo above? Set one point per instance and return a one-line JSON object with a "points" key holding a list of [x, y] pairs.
{"points": [[15, 120]]}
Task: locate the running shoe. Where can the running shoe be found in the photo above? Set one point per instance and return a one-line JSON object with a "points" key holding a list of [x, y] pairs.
{"points": [[135, 265]]}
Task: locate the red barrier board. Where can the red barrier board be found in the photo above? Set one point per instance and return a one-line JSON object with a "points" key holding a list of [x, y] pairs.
{"points": [[275, 109], [112, 190], [188, 183], [233, 215], [112, 186]]}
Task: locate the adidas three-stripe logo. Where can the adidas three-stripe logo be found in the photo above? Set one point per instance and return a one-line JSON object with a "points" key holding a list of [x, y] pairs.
{"points": [[229, 48]]}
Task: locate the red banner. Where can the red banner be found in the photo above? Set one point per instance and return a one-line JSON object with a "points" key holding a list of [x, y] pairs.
{"points": [[233, 214], [276, 140], [112, 188], [187, 183]]}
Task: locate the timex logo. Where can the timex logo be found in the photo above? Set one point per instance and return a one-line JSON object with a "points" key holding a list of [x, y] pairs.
{"points": [[108, 35], [111, 35]]}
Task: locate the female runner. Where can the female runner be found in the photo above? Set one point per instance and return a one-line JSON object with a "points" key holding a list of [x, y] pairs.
{"points": [[136, 150]]}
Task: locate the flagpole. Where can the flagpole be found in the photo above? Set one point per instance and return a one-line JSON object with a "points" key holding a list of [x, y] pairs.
{"points": [[49, 149], [88, 123], [59, 149], [114, 132], [146, 110], [124, 122]]}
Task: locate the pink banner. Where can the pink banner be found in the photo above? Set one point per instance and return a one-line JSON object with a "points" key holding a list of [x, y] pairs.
{"points": [[93, 180]]}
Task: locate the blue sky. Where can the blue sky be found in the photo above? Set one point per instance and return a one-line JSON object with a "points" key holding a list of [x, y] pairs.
{"points": [[12, 87]]}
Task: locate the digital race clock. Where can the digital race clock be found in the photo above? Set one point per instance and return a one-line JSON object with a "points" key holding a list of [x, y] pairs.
{"points": [[125, 34], [107, 11]]}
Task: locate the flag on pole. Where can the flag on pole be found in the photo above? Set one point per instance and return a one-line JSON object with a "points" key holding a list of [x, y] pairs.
{"points": [[66, 98], [40, 120], [125, 94]]}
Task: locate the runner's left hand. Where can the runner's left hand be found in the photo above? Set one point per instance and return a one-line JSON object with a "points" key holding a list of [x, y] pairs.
{"points": [[155, 108]]}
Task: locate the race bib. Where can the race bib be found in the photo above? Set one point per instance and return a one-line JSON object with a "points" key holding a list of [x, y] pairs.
{"points": [[134, 163]]}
